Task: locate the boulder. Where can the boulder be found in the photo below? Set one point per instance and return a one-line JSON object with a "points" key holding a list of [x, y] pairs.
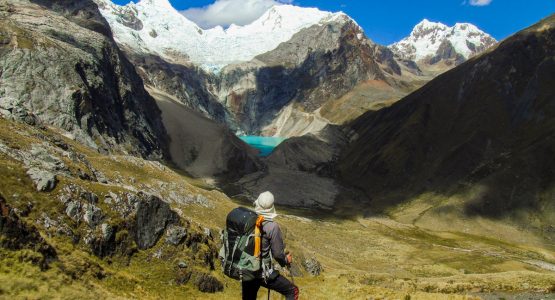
{"points": [[107, 231], [208, 232], [89, 197], [153, 216], [93, 215], [175, 235], [73, 210], [100, 177], [45, 181], [102, 243], [312, 266], [41, 157]]}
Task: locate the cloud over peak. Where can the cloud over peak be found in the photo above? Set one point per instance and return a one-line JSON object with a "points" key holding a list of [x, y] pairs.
{"points": [[227, 12]]}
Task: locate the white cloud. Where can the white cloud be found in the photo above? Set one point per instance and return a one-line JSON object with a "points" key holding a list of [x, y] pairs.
{"points": [[480, 2], [227, 12]]}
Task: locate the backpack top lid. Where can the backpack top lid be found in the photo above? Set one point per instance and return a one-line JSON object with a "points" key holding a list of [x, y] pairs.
{"points": [[241, 220]]}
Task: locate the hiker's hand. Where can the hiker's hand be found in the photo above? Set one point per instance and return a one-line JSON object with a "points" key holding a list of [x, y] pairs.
{"points": [[289, 258]]}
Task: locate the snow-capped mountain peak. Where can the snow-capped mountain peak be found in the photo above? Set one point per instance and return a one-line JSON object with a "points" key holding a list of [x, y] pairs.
{"points": [[154, 26], [427, 24], [159, 3], [427, 38]]}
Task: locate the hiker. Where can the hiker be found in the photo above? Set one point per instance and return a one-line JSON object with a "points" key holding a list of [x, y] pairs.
{"points": [[272, 247], [250, 242]]}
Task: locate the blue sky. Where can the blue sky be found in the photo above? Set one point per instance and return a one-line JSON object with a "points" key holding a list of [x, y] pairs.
{"points": [[388, 21]]}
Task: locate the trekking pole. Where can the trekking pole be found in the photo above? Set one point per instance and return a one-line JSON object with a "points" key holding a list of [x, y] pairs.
{"points": [[268, 293], [288, 265]]}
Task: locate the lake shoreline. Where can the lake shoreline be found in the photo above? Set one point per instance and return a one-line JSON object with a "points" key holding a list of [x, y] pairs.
{"points": [[264, 144]]}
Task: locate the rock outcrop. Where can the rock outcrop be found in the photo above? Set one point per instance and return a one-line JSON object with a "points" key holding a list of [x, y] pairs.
{"points": [[60, 65], [312, 266], [89, 222], [152, 217], [45, 181], [191, 85]]}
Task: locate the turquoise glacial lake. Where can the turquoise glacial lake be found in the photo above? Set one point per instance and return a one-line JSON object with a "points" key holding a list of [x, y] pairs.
{"points": [[264, 144]]}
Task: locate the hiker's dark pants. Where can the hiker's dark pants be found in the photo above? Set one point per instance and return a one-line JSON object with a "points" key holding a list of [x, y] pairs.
{"points": [[280, 285]]}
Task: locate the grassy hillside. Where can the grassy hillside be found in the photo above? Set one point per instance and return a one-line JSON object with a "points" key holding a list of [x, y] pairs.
{"points": [[395, 256], [478, 137]]}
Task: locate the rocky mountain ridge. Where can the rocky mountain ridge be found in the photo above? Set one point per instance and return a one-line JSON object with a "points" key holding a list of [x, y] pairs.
{"points": [[274, 90], [475, 143]]}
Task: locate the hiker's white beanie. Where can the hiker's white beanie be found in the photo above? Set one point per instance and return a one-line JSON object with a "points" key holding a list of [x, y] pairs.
{"points": [[265, 200]]}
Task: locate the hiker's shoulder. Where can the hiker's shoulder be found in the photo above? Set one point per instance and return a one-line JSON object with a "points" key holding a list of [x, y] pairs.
{"points": [[270, 225]]}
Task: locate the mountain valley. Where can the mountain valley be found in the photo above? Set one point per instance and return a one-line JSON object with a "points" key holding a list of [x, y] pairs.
{"points": [[418, 170]]}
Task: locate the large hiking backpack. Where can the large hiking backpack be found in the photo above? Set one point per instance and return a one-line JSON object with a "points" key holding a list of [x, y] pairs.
{"points": [[240, 252]]}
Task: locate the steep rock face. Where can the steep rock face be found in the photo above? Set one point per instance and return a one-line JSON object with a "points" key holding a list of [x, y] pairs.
{"points": [[318, 64], [431, 44], [279, 92], [488, 122], [446, 53], [189, 84], [60, 66]]}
